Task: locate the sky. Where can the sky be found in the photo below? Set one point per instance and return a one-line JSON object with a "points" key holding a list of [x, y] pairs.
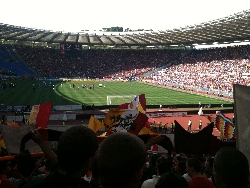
{"points": [[77, 15]]}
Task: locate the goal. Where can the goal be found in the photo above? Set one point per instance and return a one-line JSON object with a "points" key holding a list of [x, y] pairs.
{"points": [[119, 99]]}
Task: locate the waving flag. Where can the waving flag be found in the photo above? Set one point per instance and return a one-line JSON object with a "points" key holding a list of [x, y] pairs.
{"points": [[225, 126], [2, 143], [39, 114], [139, 103], [219, 123], [46, 135], [12, 137], [124, 120], [145, 130], [210, 118], [95, 124], [229, 131]]}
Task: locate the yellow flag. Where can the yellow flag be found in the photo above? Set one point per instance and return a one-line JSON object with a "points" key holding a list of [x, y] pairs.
{"points": [[140, 109], [33, 114], [145, 130], [95, 124], [139, 103], [2, 143], [112, 117], [125, 120]]}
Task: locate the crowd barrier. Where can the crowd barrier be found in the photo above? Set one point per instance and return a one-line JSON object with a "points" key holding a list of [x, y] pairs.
{"points": [[67, 107], [166, 114], [52, 117]]}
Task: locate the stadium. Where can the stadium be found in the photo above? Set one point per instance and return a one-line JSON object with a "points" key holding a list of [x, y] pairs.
{"points": [[147, 57], [185, 74]]}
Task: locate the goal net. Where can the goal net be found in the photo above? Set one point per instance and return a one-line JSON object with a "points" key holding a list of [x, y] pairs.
{"points": [[119, 99]]}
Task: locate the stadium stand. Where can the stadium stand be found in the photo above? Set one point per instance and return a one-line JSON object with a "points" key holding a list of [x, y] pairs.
{"points": [[94, 63], [209, 70], [10, 61]]}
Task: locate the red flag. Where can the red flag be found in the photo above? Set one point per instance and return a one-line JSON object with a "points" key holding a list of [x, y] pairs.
{"points": [[147, 124], [40, 114], [123, 106], [139, 103], [138, 123], [124, 120]]}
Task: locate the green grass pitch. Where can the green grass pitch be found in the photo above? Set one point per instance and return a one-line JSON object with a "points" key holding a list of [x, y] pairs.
{"points": [[23, 94]]}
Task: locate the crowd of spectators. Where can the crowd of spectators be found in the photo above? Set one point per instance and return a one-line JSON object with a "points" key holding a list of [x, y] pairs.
{"points": [[120, 160], [6, 73], [93, 63], [209, 69]]}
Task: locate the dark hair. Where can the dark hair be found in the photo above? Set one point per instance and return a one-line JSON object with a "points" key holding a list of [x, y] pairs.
{"points": [[3, 165], [194, 163], [171, 180], [75, 147], [164, 166], [120, 156], [232, 166], [26, 166]]}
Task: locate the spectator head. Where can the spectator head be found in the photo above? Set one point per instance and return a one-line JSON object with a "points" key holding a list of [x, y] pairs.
{"points": [[26, 166], [4, 167], [171, 180], [231, 168], [121, 159], [76, 147], [193, 166], [164, 167]]}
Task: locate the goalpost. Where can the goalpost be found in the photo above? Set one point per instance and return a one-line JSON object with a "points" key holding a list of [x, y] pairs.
{"points": [[119, 99]]}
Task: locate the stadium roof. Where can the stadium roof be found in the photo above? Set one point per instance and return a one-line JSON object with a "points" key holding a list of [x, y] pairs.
{"points": [[224, 30]]}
